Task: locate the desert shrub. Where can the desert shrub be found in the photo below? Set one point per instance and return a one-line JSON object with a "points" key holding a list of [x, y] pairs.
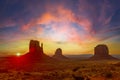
{"points": [[75, 69], [112, 68], [117, 64], [80, 77], [27, 74], [108, 75], [83, 66]]}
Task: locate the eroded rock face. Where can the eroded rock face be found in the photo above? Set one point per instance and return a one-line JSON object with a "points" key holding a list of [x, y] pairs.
{"points": [[36, 52], [58, 51], [34, 47], [59, 55], [35, 55], [101, 52]]}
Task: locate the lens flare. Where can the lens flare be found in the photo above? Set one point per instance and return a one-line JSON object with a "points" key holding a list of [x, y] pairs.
{"points": [[18, 54]]}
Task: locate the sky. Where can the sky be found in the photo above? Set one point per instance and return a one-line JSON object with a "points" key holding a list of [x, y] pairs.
{"points": [[75, 26]]}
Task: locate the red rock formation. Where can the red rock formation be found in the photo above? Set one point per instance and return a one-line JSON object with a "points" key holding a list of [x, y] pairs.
{"points": [[101, 52], [36, 52], [35, 55], [58, 51], [58, 54], [35, 48]]}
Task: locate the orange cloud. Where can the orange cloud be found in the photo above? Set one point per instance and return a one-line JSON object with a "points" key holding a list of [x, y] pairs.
{"points": [[60, 23]]}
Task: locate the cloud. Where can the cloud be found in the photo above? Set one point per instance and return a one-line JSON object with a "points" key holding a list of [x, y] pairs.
{"points": [[81, 22], [61, 25], [8, 23], [78, 21]]}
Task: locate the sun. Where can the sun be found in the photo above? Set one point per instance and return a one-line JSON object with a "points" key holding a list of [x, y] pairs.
{"points": [[18, 54]]}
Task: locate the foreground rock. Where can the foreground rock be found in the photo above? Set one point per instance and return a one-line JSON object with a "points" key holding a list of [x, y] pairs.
{"points": [[101, 52], [58, 54]]}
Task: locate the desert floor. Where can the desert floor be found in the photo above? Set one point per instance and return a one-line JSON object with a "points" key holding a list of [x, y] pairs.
{"points": [[61, 70]]}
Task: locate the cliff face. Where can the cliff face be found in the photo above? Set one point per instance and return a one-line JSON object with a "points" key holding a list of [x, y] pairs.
{"points": [[28, 60], [58, 51], [101, 52], [34, 47], [36, 52], [58, 54]]}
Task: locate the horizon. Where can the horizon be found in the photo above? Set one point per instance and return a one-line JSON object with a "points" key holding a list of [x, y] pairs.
{"points": [[75, 26], [73, 54]]}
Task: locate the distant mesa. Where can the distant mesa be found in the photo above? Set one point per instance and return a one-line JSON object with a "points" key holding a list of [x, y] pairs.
{"points": [[58, 51], [58, 54], [101, 52]]}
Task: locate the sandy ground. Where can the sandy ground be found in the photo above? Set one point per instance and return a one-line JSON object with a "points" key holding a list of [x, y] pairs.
{"points": [[61, 70]]}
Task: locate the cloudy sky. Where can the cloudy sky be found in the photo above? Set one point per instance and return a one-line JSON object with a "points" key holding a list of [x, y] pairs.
{"points": [[76, 26]]}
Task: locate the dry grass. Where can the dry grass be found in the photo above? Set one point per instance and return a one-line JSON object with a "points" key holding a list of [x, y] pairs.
{"points": [[65, 70]]}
